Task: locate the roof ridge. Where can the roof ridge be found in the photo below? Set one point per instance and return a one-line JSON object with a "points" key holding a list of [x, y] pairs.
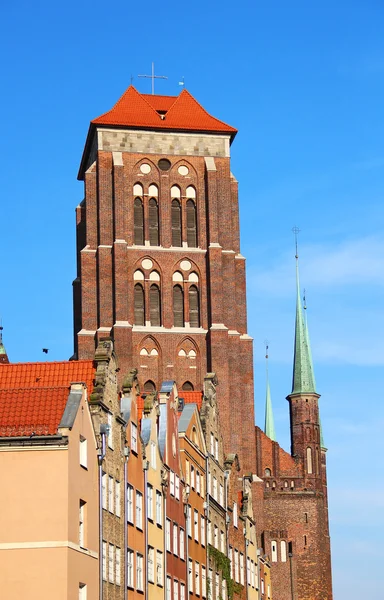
{"points": [[184, 91], [50, 362], [36, 388]]}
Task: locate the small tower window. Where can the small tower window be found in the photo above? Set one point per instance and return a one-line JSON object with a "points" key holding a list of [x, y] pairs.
{"points": [[149, 387], [153, 222], [139, 305], [191, 224], [194, 317], [187, 386], [154, 305], [178, 307], [176, 223], [138, 222], [267, 472], [309, 461], [274, 550], [283, 551]]}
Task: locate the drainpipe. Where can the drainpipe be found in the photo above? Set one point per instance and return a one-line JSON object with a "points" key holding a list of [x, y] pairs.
{"points": [[246, 543], [226, 478], [164, 540], [104, 430], [186, 536], [145, 469], [258, 574], [206, 522], [125, 512], [291, 572]]}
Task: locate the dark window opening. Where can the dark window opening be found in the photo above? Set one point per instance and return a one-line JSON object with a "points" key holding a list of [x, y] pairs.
{"points": [[191, 224], [194, 317], [138, 222], [178, 307], [176, 223], [139, 305]]}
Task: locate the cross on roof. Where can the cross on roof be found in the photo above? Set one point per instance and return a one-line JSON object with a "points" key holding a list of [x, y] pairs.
{"points": [[153, 77]]}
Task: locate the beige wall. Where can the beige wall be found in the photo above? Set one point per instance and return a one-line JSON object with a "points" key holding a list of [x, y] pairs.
{"points": [[40, 555]]}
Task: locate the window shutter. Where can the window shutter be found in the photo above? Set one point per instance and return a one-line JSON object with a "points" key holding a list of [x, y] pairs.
{"points": [[154, 305], [194, 320], [178, 307], [139, 305], [138, 222], [176, 223], [153, 223], [191, 224]]}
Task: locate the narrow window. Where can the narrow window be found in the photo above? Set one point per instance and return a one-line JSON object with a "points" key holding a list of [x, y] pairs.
{"points": [[111, 563], [117, 498], [159, 567], [139, 510], [182, 544], [104, 559], [274, 550], [129, 503], [139, 305], [187, 386], [138, 222], [149, 502], [118, 566], [175, 537], [111, 485], [130, 568], [82, 591], [139, 572], [159, 519], [203, 582], [154, 306], [82, 524], [168, 592], [309, 461], [83, 452], [175, 589], [191, 224], [153, 223], [197, 579], [178, 307], [194, 319], [176, 223], [104, 479], [283, 551], [151, 566]]}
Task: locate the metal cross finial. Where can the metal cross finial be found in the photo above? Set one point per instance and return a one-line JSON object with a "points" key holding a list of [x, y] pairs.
{"points": [[266, 344], [296, 232], [304, 301], [153, 77]]}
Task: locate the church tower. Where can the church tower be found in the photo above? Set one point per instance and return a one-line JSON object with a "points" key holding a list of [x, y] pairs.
{"points": [[159, 267]]}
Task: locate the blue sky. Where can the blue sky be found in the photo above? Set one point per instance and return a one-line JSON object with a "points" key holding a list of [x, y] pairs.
{"points": [[303, 82]]}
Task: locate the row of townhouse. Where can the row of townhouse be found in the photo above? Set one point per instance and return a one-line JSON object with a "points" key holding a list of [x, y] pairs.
{"points": [[119, 494]]}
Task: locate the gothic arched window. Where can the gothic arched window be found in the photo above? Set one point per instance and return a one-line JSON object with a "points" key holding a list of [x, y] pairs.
{"points": [[138, 222], [191, 224], [149, 386], [153, 222], [194, 316], [187, 386], [139, 305], [154, 305], [178, 307], [309, 461], [176, 223]]}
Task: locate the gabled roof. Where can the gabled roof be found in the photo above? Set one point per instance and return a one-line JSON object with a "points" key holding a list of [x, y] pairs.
{"points": [[181, 113], [47, 374], [28, 411]]}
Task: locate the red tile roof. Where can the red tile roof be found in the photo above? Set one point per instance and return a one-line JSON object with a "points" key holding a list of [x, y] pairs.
{"points": [[192, 398], [46, 374], [31, 410], [183, 112]]}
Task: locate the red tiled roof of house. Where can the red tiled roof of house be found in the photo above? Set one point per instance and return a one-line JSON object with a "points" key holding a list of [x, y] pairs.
{"points": [[28, 411], [47, 374], [182, 112], [192, 397]]}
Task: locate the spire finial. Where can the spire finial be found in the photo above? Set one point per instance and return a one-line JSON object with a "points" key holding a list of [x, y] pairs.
{"points": [[269, 427], [303, 376], [3, 352]]}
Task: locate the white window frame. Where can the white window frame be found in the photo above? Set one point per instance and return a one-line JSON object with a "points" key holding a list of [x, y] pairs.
{"points": [[139, 510], [172, 483], [230, 556], [130, 568], [118, 566], [197, 482], [168, 588], [237, 578], [217, 585], [111, 485], [83, 452], [274, 550], [82, 510], [104, 489], [248, 570], [196, 525], [192, 477], [175, 589], [182, 591], [117, 498], [159, 567], [149, 501], [139, 572], [216, 449], [202, 530], [182, 544], [111, 563], [283, 551], [187, 471], [177, 487], [82, 591], [215, 488], [189, 521], [168, 535], [104, 558], [235, 516], [222, 542], [130, 511], [133, 437], [221, 495], [159, 508], [203, 582], [216, 536], [241, 568], [151, 564], [190, 576], [197, 579], [110, 434], [212, 447], [175, 539]]}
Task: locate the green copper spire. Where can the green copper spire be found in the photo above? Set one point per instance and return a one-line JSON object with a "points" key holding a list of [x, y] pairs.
{"points": [[269, 427], [303, 376]]}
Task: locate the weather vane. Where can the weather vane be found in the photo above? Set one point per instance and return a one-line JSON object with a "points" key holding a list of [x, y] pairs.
{"points": [[153, 77], [296, 232]]}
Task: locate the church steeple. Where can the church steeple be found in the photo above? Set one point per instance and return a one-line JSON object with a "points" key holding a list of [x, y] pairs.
{"points": [[3, 353], [269, 426], [303, 375]]}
